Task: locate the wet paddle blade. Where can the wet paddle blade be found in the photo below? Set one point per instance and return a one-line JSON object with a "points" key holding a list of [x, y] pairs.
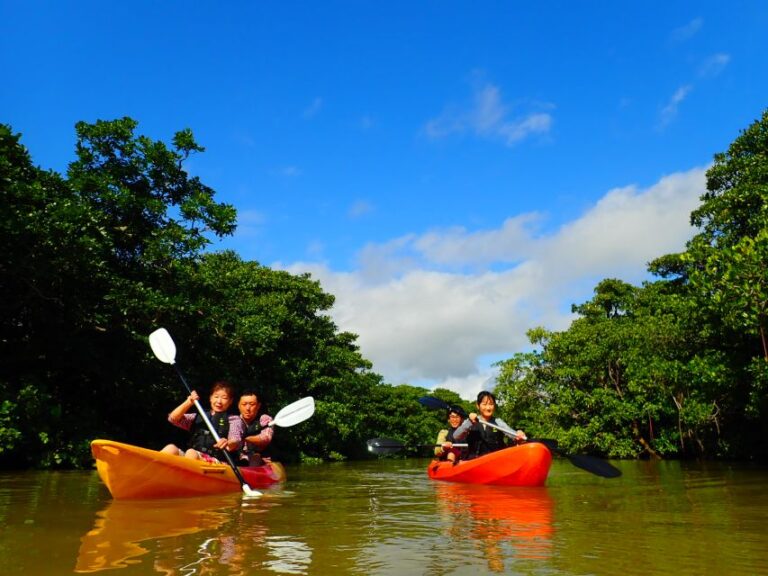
{"points": [[163, 346], [250, 492], [294, 413], [594, 465], [384, 446], [432, 402]]}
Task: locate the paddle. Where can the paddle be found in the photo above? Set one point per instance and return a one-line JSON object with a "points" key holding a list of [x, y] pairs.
{"points": [[164, 348], [432, 402], [390, 445], [294, 413], [591, 464]]}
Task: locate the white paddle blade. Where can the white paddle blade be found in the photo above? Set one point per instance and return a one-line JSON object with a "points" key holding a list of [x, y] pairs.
{"points": [[250, 492], [163, 346], [294, 413]]}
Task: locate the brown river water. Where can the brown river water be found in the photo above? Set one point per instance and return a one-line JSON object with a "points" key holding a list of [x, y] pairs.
{"points": [[386, 517]]}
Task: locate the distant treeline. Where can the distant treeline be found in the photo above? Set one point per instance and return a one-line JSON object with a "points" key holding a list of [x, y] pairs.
{"points": [[93, 261]]}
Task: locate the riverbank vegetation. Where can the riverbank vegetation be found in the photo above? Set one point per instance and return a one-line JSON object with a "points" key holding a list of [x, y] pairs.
{"points": [[96, 259]]}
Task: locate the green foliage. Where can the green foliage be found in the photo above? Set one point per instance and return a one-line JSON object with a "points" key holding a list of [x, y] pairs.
{"points": [[94, 261], [729, 257], [677, 366]]}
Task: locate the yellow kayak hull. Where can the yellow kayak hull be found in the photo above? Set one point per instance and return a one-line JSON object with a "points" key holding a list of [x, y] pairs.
{"points": [[132, 473]]}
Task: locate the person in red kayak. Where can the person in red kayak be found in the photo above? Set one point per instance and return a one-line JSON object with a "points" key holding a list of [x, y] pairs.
{"points": [[444, 449], [203, 446], [257, 433], [481, 437]]}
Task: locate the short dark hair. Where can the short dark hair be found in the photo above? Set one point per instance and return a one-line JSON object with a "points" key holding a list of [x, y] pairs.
{"points": [[485, 394], [250, 392], [223, 385], [456, 410]]}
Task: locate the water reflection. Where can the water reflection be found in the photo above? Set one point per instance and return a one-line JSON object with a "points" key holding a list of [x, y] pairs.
{"points": [[120, 529], [192, 536], [508, 525]]}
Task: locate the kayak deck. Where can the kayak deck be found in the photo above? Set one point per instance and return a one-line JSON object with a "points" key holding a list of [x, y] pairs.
{"points": [[523, 465], [131, 472]]}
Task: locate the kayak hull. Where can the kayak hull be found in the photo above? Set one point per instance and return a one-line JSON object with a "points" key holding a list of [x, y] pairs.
{"points": [[523, 465], [132, 473]]}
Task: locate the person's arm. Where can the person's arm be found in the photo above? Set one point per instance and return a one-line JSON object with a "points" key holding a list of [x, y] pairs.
{"points": [[236, 433], [463, 429], [516, 434], [264, 437], [441, 437], [179, 417]]}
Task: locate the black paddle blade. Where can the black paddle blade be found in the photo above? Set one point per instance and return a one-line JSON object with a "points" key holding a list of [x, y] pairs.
{"points": [[432, 402], [384, 445], [594, 465], [591, 464]]}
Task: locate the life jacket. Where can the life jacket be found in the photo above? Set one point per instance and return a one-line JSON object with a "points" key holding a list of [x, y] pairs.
{"points": [[252, 429], [484, 439], [201, 438], [459, 452]]}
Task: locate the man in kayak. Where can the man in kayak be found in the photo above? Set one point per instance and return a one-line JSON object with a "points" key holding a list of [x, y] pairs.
{"points": [[481, 437], [444, 449], [203, 446], [257, 433]]}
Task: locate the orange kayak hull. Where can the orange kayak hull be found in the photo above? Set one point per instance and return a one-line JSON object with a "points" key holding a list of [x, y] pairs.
{"points": [[133, 473], [523, 465]]}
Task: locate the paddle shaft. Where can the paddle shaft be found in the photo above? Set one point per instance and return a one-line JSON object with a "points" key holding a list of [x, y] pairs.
{"points": [[502, 429], [390, 444], [216, 436]]}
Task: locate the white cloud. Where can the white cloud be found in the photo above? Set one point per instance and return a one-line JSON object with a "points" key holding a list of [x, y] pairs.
{"points": [[359, 208], [687, 31], [420, 321], [489, 117], [714, 65], [249, 223], [669, 112], [289, 171], [313, 109]]}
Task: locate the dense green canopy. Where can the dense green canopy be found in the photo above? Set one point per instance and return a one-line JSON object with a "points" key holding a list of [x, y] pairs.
{"points": [[95, 260], [677, 366]]}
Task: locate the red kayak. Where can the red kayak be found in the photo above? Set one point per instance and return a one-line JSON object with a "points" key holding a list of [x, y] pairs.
{"points": [[523, 465]]}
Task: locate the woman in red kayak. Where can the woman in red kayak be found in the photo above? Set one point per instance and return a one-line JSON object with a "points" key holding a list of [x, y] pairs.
{"points": [[203, 446], [482, 438]]}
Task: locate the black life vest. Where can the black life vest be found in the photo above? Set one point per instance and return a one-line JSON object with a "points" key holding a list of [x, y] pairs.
{"points": [[484, 439], [460, 452], [201, 438], [252, 429]]}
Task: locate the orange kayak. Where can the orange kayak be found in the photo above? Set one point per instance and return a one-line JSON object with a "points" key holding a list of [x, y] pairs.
{"points": [[131, 472], [523, 465]]}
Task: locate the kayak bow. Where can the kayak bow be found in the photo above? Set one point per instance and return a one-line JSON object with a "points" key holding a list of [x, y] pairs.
{"points": [[523, 465]]}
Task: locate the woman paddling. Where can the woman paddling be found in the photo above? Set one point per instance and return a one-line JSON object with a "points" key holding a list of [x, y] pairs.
{"points": [[483, 439], [203, 446]]}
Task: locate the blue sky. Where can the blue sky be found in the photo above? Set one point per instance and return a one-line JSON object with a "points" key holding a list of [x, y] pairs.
{"points": [[454, 173]]}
